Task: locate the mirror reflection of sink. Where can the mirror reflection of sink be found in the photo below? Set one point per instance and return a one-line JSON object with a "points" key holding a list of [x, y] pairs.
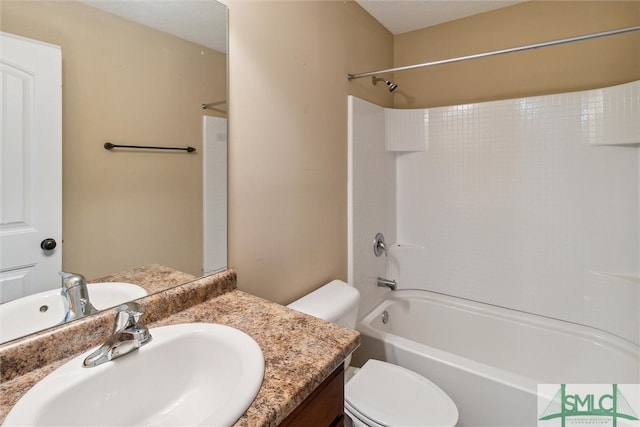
{"points": [[39, 311], [187, 375]]}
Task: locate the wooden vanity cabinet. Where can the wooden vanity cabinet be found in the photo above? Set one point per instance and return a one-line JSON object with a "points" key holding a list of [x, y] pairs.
{"points": [[324, 407]]}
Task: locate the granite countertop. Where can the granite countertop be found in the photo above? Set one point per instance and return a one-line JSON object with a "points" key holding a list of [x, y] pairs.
{"points": [[300, 351], [153, 277]]}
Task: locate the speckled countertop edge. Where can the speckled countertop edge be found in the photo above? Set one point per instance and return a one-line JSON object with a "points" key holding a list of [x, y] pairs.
{"points": [[300, 351], [24, 355], [152, 277]]}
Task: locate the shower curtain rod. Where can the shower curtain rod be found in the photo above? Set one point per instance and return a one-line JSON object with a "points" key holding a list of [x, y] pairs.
{"points": [[498, 52]]}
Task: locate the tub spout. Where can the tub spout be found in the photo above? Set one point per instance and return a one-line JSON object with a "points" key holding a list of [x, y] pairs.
{"points": [[385, 283]]}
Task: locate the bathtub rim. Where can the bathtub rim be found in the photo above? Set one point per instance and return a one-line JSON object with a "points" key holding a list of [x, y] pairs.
{"points": [[513, 314], [518, 381]]}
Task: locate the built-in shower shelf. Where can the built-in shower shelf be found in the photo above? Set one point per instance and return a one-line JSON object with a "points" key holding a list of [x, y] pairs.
{"points": [[610, 115]]}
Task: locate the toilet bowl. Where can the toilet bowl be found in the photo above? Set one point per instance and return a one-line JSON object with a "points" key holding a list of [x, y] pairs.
{"points": [[380, 394]]}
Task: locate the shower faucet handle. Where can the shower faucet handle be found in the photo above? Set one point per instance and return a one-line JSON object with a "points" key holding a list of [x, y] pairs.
{"points": [[378, 245]]}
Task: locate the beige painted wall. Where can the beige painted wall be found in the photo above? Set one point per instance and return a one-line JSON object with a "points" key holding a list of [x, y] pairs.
{"points": [[288, 63], [128, 84], [288, 121], [571, 67]]}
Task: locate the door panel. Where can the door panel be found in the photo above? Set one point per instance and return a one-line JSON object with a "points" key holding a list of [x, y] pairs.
{"points": [[30, 165]]}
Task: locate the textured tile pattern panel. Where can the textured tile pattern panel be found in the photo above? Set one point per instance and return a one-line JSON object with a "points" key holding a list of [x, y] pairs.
{"points": [[406, 130], [514, 205]]}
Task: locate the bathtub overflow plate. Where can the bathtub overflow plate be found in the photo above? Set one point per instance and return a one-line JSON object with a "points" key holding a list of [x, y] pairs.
{"points": [[385, 317]]}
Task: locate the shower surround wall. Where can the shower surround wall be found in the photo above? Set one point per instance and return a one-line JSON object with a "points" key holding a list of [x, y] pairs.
{"points": [[371, 199], [531, 204]]}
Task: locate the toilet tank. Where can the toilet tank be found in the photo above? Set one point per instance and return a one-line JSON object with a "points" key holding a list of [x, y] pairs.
{"points": [[336, 302]]}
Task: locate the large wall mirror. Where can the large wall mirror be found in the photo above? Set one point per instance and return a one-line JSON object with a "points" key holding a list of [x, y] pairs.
{"points": [[136, 72]]}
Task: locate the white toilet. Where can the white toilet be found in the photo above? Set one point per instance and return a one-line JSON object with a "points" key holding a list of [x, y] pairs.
{"points": [[380, 393]]}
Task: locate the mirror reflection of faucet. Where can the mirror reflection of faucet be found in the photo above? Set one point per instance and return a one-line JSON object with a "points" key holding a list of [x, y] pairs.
{"points": [[75, 296], [386, 283]]}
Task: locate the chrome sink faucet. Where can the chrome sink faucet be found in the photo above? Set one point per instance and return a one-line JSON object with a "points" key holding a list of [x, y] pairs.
{"points": [[75, 296], [127, 336]]}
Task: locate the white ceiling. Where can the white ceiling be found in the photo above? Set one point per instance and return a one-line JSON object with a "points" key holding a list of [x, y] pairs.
{"points": [[200, 21], [400, 16], [204, 21]]}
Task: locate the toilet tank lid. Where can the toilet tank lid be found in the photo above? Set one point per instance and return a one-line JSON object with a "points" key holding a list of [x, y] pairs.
{"points": [[330, 302]]}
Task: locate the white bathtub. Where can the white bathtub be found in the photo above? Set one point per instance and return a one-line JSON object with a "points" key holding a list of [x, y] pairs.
{"points": [[488, 359]]}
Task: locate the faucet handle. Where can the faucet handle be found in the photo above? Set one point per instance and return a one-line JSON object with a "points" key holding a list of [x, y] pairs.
{"points": [[127, 336], [379, 246], [127, 315]]}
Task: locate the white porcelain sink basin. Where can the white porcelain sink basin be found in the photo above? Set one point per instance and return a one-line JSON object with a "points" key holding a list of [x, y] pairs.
{"points": [[189, 374], [45, 309]]}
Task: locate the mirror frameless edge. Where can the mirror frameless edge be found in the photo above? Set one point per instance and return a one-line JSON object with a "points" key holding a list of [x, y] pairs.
{"points": [[219, 18]]}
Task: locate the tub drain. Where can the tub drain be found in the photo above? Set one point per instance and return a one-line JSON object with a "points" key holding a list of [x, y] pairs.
{"points": [[385, 317]]}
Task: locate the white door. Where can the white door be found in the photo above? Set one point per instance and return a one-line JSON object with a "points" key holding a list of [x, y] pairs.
{"points": [[30, 166]]}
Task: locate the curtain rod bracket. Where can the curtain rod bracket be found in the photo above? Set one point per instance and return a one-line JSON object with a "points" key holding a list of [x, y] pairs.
{"points": [[213, 104]]}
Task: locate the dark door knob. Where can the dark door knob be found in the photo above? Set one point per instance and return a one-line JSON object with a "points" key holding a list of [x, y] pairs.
{"points": [[48, 244]]}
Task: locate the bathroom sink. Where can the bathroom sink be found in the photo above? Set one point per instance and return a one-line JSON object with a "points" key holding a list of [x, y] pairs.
{"points": [[187, 375], [45, 309]]}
